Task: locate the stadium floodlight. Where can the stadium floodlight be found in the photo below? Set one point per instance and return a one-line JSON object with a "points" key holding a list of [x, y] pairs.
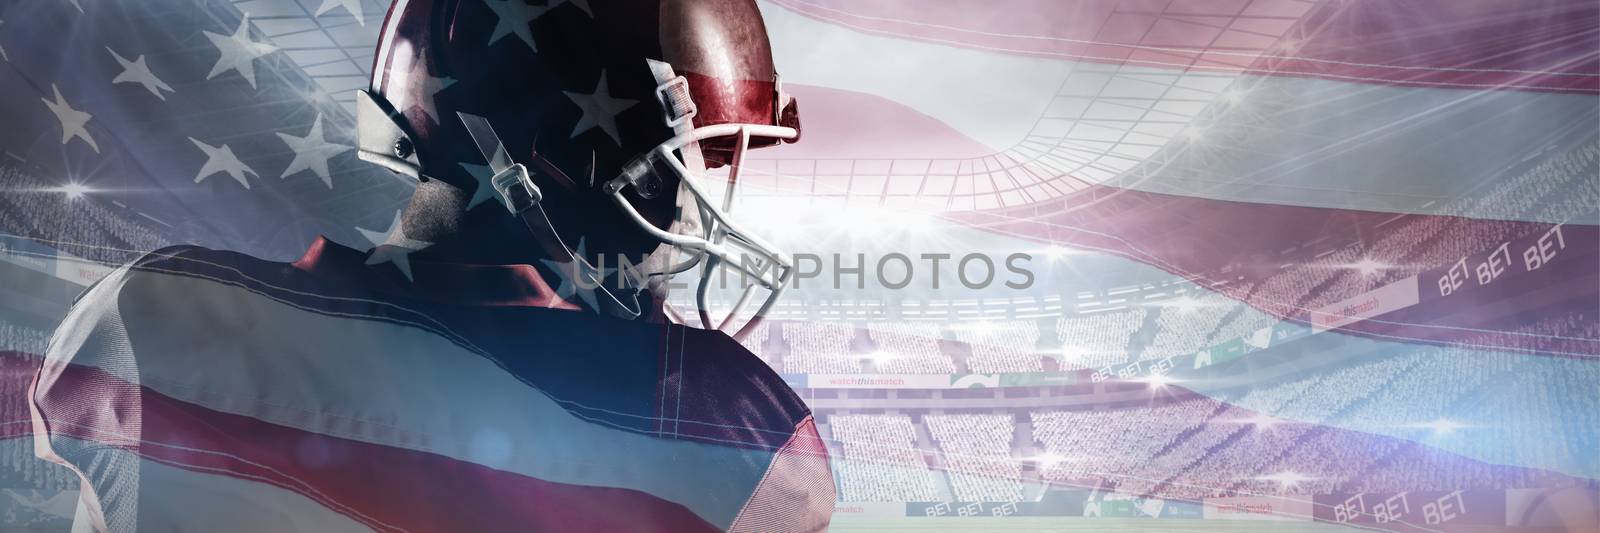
{"points": [[73, 190], [1368, 266], [1287, 479], [1056, 251], [915, 222], [856, 217], [1440, 427], [1157, 381], [1048, 459], [881, 356]]}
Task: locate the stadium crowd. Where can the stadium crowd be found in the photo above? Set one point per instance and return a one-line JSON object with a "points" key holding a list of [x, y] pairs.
{"points": [[876, 458], [976, 450], [1397, 407], [41, 211], [1001, 346], [1098, 340], [908, 348], [19, 349]]}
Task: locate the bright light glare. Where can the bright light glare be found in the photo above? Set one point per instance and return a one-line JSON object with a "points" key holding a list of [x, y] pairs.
{"points": [[1057, 252], [1158, 381], [1442, 426], [858, 219], [881, 356], [1047, 459], [73, 190], [1368, 266]]}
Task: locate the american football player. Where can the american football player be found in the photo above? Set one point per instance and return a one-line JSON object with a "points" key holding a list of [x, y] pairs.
{"points": [[484, 368]]}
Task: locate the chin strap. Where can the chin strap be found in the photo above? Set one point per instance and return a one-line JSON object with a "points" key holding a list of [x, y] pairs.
{"points": [[524, 200], [587, 280]]}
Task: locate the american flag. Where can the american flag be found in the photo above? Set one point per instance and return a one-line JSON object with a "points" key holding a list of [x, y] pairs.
{"points": [[1371, 225]]}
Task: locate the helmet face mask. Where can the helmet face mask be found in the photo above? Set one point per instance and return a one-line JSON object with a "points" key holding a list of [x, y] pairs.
{"points": [[721, 242]]}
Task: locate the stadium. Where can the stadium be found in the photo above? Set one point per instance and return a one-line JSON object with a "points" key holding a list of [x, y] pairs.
{"points": [[1277, 280]]}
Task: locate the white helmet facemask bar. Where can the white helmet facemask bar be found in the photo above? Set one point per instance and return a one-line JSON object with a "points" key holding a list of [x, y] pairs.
{"points": [[721, 243]]}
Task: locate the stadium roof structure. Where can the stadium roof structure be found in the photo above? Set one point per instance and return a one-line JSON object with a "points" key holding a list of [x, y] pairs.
{"points": [[1115, 122], [330, 41], [1254, 100]]}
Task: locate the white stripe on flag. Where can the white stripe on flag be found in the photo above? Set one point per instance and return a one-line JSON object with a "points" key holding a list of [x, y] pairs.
{"points": [[379, 383]]}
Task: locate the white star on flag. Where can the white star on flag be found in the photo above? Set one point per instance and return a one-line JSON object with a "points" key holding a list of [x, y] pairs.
{"points": [[238, 52], [76, 4], [74, 123], [220, 160], [514, 17], [430, 88], [582, 4], [393, 246], [485, 189], [572, 272], [599, 109], [137, 71], [353, 6], [3, 56], [312, 152]]}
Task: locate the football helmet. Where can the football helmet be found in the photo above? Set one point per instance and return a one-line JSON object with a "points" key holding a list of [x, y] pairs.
{"points": [[595, 122]]}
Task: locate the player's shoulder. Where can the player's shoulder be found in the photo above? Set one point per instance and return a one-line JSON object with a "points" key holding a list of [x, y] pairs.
{"points": [[205, 263], [155, 296], [191, 275], [149, 266], [724, 386]]}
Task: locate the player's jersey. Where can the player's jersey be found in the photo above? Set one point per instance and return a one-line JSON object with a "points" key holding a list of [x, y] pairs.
{"points": [[198, 390]]}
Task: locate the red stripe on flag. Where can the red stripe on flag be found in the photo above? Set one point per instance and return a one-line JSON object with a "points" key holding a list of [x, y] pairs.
{"points": [[1235, 248], [1547, 45], [384, 487]]}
